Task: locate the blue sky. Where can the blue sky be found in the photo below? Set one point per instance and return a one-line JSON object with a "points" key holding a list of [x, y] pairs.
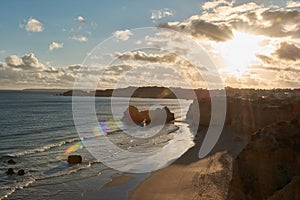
{"points": [[59, 17]]}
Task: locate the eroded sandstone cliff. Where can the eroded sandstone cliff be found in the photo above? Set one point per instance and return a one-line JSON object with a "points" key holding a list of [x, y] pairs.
{"points": [[269, 166]]}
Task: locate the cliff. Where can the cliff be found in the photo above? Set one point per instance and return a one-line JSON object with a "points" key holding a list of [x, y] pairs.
{"points": [[269, 166], [247, 115]]}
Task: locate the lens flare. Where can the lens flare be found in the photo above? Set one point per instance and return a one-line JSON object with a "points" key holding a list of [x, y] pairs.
{"points": [[101, 129], [74, 147]]}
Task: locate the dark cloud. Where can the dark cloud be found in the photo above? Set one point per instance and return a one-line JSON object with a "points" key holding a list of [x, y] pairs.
{"points": [[170, 58], [153, 58], [266, 59], [201, 28], [74, 67], [287, 69], [288, 51], [118, 69], [219, 23], [277, 68], [281, 16]]}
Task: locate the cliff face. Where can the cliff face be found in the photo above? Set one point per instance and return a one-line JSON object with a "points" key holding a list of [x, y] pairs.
{"points": [[245, 116], [269, 166]]}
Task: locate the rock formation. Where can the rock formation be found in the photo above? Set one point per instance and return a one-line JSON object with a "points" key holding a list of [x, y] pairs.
{"points": [[141, 118], [74, 159], [269, 166], [245, 115]]}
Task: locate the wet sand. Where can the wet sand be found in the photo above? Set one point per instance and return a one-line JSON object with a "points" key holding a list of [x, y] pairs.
{"points": [[118, 180]]}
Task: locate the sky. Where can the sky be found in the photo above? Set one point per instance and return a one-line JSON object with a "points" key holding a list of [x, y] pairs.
{"points": [[44, 44]]}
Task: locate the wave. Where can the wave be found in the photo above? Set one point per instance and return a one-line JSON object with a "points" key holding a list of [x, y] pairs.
{"points": [[6, 191], [65, 170], [41, 149]]}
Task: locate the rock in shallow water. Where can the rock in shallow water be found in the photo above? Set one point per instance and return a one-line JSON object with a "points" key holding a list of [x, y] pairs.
{"points": [[10, 171], [21, 172], [74, 159], [11, 162]]}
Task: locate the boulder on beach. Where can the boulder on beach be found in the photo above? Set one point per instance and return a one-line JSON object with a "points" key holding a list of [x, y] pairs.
{"points": [[74, 159], [10, 171], [21, 172], [11, 162]]}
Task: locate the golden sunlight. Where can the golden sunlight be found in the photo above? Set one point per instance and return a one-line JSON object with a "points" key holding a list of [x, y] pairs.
{"points": [[240, 52]]}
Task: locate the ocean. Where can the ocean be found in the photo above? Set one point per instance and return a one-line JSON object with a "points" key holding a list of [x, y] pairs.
{"points": [[37, 130]]}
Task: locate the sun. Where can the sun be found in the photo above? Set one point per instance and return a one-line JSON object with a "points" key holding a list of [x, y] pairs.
{"points": [[240, 52]]}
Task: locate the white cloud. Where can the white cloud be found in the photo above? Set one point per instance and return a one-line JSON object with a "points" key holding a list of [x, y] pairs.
{"points": [[14, 61], [80, 38], [55, 45], [213, 4], [81, 19], [2, 51], [123, 35], [159, 14], [33, 25], [28, 72], [293, 4]]}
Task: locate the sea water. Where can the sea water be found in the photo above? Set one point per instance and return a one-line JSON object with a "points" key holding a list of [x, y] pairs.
{"points": [[36, 129]]}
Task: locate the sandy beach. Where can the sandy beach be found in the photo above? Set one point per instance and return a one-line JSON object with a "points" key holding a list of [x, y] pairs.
{"points": [[188, 177], [191, 178]]}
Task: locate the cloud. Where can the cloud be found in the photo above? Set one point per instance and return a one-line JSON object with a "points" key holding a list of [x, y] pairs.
{"points": [[74, 67], [142, 56], [27, 61], [33, 25], [55, 45], [123, 35], [81, 29], [117, 69], [2, 51], [222, 18], [79, 38], [213, 4], [28, 72], [293, 4], [14, 61], [81, 19], [201, 29], [159, 14], [288, 51]]}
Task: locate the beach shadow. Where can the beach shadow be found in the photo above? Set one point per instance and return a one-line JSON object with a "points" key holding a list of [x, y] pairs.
{"points": [[228, 141]]}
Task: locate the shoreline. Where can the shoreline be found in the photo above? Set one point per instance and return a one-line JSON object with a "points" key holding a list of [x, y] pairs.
{"points": [[191, 178]]}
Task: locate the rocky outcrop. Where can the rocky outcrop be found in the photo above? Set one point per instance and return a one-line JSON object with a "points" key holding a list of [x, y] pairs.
{"points": [[246, 116], [269, 166], [142, 118], [74, 159]]}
